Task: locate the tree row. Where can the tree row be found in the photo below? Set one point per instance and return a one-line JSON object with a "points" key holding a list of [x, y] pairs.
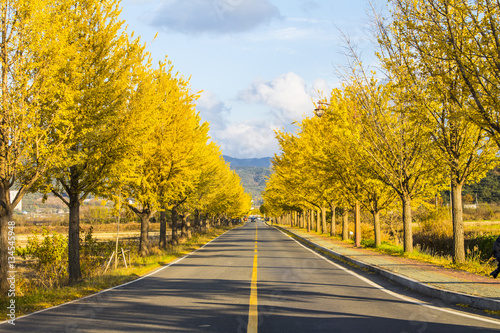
{"points": [[84, 111], [428, 120]]}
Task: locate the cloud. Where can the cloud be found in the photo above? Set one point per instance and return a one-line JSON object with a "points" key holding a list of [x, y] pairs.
{"points": [[248, 140], [212, 110], [287, 96], [213, 16], [284, 99]]}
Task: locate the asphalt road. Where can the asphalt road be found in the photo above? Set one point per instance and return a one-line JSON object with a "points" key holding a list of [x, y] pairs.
{"points": [[293, 290]]}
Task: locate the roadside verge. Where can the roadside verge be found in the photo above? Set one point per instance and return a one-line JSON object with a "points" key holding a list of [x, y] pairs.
{"points": [[417, 279]]}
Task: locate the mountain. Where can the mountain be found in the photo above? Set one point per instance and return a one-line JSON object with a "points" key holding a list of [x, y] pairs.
{"points": [[264, 162], [253, 173]]}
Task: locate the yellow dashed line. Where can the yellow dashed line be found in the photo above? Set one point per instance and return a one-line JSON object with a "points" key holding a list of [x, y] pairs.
{"points": [[253, 316]]}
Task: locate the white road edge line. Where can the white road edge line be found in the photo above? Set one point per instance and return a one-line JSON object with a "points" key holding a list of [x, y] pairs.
{"points": [[451, 311], [119, 286]]}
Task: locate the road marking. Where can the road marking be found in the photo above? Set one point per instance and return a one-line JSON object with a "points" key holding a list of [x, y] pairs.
{"points": [[407, 299], [253, 315]]}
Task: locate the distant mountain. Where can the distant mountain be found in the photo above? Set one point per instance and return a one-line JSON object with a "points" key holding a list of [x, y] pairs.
{"points": [[253, 173], [253, 162]]}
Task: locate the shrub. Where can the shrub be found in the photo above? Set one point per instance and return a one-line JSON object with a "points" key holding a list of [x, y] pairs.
{"points": [[435, 221], [50, 257], [93, 254], [481, 246]]}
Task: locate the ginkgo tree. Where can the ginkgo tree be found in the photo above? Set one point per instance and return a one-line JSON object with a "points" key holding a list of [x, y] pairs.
{"points": [[414, 59], [164, 166], [396, 144], [33, 120], [371, 145], [100, 74], [458, 40], [346, 162]]}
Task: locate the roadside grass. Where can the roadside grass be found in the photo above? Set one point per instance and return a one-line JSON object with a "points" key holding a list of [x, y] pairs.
{"points": [[478, 227], [472, 263], [30, 299]]}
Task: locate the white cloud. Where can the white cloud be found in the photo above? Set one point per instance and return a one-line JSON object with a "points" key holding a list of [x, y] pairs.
{"points": [[284, 99], [247, 140], [241, 140], [213, 16], [212, 110], [320, 88], [287, 96]]}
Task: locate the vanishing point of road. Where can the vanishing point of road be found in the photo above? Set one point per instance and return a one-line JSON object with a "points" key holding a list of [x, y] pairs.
{"points": [[254, 279]]}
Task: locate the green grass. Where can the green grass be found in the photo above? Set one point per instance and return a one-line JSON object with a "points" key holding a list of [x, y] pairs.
{"points": [[30, 299]]}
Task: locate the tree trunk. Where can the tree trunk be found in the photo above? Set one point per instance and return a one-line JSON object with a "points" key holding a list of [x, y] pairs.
{"points": [[183, 226], [458, 223], [308, 218], [312, 218], [357, 224], [163, 230], [74, 270], [185, 232], [345, 225], [143, 240], [323, 220], [408, 235], [197, 220], [318, 221], [5, 217], [175, 217], [332, 227], [376, 228]]}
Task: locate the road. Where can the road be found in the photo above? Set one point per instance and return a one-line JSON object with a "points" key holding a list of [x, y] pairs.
{"points": [[255, 279]]}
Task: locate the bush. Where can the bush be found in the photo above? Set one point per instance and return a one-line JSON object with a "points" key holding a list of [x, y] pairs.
{"points": [[434, 244], [481, 246], [435, 221], [484, 212], [50, 257]]}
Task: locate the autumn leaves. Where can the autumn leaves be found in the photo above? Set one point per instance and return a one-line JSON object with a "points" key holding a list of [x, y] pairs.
{"points": [[84, 111]]}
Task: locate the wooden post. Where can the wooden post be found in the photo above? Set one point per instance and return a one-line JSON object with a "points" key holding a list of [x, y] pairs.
{"points": [[117, 238], [124, 261], [109, 262]]}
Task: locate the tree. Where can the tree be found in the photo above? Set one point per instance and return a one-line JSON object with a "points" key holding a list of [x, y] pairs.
{"points": [[414, 60], [219, 189], [464, 37], [33, 125], [397, 146], [100, 74], [347, 163]]}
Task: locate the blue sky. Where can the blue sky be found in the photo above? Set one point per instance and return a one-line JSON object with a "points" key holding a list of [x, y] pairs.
{"points": [[259, 63]]}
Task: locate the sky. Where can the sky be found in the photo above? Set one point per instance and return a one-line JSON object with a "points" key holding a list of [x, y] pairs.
{"points": [[260, 64]]}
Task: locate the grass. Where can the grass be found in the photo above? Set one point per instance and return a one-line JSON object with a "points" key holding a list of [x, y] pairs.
{"points": [[472, 263], [30, 299]]}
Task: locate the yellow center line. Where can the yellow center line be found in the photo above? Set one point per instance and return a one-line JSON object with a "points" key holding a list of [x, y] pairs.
{"points": [[253, 316]]}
